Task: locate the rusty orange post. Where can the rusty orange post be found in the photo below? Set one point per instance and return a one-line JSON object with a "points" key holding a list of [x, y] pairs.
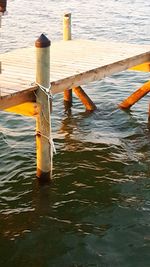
{"points": [[67, 99], [85, 99], [136, 96]]}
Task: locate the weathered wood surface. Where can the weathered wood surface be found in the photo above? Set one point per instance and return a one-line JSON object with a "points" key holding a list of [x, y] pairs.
{"points": [[43, 120], [73, 63], [67, 37]]}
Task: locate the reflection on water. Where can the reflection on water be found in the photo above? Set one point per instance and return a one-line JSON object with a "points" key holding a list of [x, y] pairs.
{"points": [[96, 210]]}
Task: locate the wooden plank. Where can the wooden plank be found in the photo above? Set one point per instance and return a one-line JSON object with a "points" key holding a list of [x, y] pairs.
{"points": [[75, 81], [73, 64], [97, 74]]}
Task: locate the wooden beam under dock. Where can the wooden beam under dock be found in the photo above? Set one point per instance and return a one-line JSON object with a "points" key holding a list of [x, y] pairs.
{"points": [[17, 97], [145, 67], [135, 97]]}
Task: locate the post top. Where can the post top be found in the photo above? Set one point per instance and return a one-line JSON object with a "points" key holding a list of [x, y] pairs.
{"points": [[67, 15], [3, 4], [42, 41]]}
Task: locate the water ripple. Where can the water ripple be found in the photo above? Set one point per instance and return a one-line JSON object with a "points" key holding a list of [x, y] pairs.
{"points": [[96, 210]]}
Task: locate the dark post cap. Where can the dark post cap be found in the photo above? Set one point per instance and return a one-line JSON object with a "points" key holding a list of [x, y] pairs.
{"points": [[42, 41], [3, 4], [67, 15]]}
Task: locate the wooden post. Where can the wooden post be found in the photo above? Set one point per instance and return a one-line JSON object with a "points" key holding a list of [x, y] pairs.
{"points": [[87, 102], [67, 27], [44, 160], [67, 37], [0, 19], [3, 4], [136, 96]]}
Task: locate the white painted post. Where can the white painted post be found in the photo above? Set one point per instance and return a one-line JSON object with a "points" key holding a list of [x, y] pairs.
{"points": [[44, 157]]}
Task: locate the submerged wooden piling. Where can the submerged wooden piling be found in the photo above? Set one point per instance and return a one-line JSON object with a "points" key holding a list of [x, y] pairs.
{"points": [[44, 160], [67, 37], [85, 99], [136, 96]]}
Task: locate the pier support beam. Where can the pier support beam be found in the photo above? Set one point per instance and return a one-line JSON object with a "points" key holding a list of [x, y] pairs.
{"points": [[136, 96], [67, 37], [67, 99], [44, 160], [87, 102]]}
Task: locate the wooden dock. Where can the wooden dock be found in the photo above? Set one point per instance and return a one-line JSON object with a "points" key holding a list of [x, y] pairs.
{"points": [[72, 63], [28, 75]]}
